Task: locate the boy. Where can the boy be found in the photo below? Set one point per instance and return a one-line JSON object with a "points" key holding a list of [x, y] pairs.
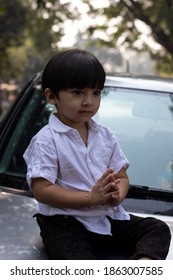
{"points": [[77, 171]]}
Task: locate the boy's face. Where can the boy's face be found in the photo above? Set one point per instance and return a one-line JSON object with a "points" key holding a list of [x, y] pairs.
{"points": [[77, 106]]}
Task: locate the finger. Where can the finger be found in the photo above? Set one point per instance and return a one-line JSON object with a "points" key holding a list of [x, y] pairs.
{"points": [[107, 172], [113, 176], [116, 182], [110, 195], [103, 183], [110, 187]]}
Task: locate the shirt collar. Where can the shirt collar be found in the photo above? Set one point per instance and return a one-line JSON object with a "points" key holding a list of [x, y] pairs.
{"points": [[58, 126]]}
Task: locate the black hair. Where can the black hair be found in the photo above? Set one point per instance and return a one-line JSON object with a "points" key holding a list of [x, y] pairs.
{"points": [[73, 68]]}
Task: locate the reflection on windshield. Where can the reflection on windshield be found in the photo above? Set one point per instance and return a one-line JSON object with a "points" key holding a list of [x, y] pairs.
{"points": [[143, 124]]}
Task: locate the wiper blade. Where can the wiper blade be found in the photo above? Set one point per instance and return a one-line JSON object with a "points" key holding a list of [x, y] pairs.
{"points": [[145, 192]]}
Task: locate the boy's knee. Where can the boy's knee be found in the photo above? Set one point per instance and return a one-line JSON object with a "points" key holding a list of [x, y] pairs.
{"points": [[162, 228]]}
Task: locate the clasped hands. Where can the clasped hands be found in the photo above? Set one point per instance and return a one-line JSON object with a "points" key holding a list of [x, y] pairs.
{"points": [[106, 190]]}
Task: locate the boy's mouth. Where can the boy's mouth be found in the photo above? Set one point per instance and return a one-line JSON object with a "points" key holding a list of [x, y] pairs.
{"points": [[86, 112]]}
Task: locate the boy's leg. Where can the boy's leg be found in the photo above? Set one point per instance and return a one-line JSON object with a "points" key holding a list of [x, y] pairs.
{"points": [[64, 238], [146, 237]]}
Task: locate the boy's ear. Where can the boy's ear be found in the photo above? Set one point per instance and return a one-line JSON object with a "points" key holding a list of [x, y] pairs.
{"points": [[49, 96]]}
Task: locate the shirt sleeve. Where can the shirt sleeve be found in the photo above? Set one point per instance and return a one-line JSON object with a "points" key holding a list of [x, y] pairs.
{"points": [[118, 160], [42, 162]]}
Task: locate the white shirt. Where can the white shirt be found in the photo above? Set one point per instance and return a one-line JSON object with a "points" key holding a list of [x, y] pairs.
{"points": [[58, 154]]}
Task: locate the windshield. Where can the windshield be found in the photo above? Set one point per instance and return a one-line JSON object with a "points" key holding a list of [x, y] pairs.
{"points": [[141, 120], [143, 124]]}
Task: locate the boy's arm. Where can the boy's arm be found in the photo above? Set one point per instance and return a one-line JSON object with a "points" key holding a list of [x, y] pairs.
{"points": [[56, 196]]}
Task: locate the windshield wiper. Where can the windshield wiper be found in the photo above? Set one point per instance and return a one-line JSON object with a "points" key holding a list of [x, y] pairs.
{"points": [[145, 192]]}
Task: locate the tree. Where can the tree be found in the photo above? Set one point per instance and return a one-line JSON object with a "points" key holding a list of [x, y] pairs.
{"points": [[29, 32], [12, 21], [122, 18]]}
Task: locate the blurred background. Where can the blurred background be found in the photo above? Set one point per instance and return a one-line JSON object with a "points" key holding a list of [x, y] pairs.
{"points": [[133, 36]]}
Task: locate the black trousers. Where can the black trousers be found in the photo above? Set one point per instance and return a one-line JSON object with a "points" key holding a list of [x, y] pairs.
{"points": [[65, 238]]}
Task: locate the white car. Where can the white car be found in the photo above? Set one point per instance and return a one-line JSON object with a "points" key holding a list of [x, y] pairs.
{"points": [[139, 110]]}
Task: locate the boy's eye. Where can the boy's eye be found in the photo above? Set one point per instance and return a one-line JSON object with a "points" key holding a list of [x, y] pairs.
{"points": [[97, 92], [77, 92]]}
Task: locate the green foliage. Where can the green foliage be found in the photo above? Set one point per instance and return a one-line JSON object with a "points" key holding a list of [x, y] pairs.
{"points": [[157, 15], [12, 22], [27, 37], [30, 30]]}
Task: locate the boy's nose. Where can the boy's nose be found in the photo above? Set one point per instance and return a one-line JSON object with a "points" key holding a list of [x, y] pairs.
{"points": [[87, 99]]}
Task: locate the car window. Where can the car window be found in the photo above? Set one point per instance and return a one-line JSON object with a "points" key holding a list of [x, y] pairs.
{"points": [[143, 124]]}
